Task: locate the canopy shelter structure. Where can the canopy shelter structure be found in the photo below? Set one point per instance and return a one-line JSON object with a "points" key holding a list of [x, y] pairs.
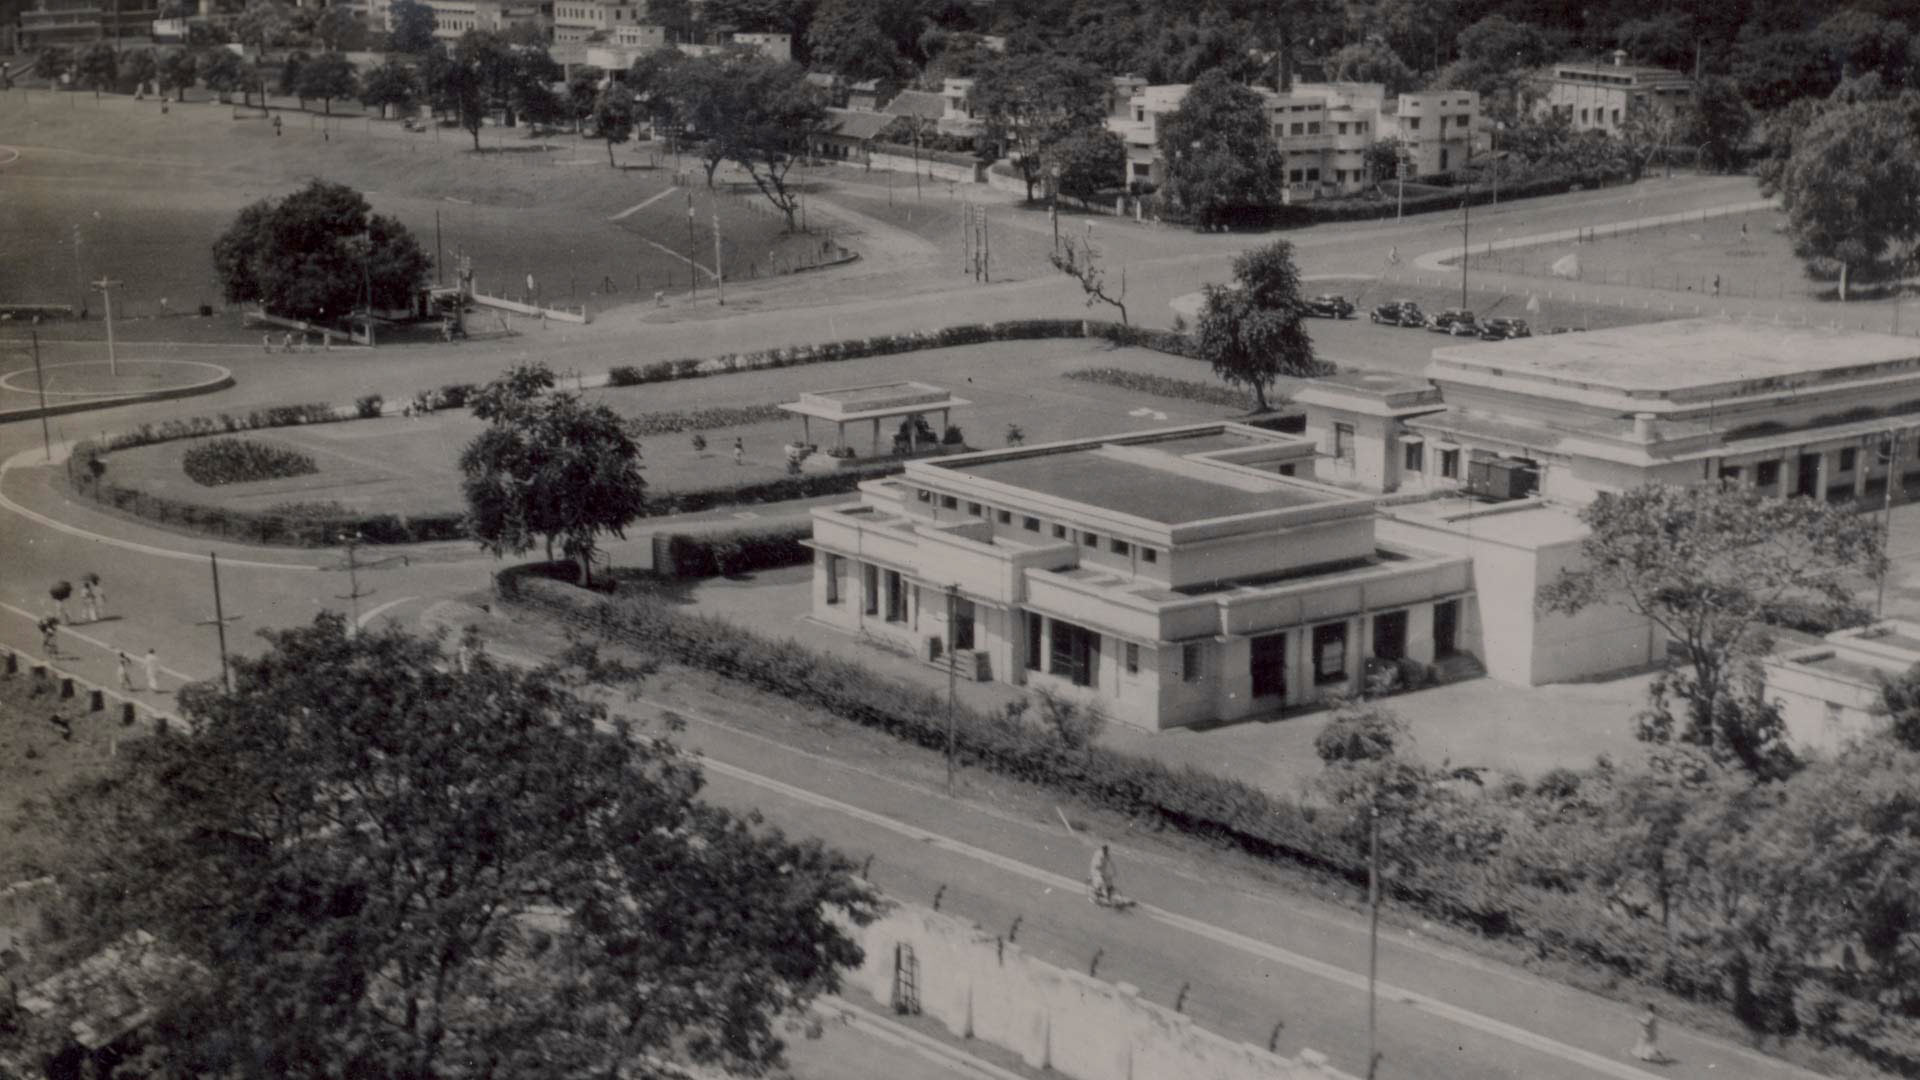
{"points": [[882, 401]]}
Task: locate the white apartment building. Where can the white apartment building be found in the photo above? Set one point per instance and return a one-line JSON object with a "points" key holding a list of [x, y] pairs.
{"points": [[579, 20], [1323, 129], [452, 18], [1597, 96]]}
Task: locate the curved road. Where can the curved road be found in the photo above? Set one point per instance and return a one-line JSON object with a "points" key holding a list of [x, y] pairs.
{"points": [[1254, 955]]}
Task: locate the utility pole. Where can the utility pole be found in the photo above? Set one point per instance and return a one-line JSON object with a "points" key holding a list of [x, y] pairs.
{"points": [[46, 440], [719, 267], [966, 237], [439, 252], [220, 621], [1466, 224], [953, 596], [366, 279], [105, 287], [353, 567], [1373, 930], [693, 264], [1886, 516]]}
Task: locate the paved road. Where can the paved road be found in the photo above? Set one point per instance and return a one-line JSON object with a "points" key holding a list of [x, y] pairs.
{"points": [[1254, 956]]}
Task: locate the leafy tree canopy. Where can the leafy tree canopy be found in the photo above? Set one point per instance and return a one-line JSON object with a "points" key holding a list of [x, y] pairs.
{"points": [[1028, 104], [412, 27], [316, 253], [1852, 187], [613, 116], [1221, 158], [383, 865], [1254, 330]]}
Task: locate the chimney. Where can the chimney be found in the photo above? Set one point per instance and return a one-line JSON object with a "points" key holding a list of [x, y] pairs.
{"points": [[1619, 58], [1643, 427]]}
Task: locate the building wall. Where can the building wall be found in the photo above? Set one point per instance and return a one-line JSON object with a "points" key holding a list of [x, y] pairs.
{"points": [[1822, 713]]}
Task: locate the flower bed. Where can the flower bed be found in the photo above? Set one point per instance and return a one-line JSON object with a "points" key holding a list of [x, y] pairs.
{"points": [[708, 419], [1163, 386], [239, 461]]}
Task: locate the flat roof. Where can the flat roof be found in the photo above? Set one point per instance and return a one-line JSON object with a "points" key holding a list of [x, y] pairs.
{"points": [[876, 400], [1683, 358], [1525, 524], [1144, 482]]}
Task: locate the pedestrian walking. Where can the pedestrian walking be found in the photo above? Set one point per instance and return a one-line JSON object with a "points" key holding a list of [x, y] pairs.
{"points": [[266, 342], [89, 601], [49, 636], [1648, 1048], [286, 342], [1716, 284], [152, 664], [1100, 875], [739, 451], [125, 664]]}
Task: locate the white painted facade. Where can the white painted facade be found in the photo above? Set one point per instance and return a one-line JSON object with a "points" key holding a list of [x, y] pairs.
{"points": [[1828, 694], [1599, 96], [1174, 577]]}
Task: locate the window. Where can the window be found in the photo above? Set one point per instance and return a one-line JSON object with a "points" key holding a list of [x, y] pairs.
{"points": [[1091, 540], [1297, 129], [1767, 473], [1313, 127], [1031, 524], [1119, 546], [1583, 116], [870, 587], [1330, 653], [1413, 123], [1730, 474], [1616, 116], [1148, 554], [1190, 663], [1267, 664], [1343, 442], [1142, 169], [1415, 457], [1286, 470], [1059, 532], [1849, 458], [1313, 175], [1340, 129], [1075, 653], [1450, 464], [1293, 176], [833, 579], [1360, 128], [948, 502], [896, 597], [974, 509], [1133, 658], [1034, 641], [1004, 517]]}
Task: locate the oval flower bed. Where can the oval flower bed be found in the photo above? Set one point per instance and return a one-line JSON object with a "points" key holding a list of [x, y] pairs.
{"points": [[237, 461]]}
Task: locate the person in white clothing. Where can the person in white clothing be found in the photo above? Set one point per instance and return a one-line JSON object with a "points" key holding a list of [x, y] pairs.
{"points": [[1100, 875], [152, 664]]}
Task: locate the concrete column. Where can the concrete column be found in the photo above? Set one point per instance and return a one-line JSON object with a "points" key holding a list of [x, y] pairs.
{"points": [[1821, 470], [1299, 669], [1420, 633], [876, 436], [1863, 460]]}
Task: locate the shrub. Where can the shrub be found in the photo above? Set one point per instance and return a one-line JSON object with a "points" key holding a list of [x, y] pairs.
{"points": [[625, 375], [699, 443], [1163, 386], [952, 436], [455, 395], [233, 460], [368, 407], [697, 555]]}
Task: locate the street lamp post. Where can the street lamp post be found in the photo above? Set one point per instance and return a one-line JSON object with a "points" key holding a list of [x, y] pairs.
{"points": [[105, 287], [1373, 930], [1053, 203]]}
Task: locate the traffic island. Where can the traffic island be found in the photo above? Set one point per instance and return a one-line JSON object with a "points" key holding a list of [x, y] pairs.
{"points": [[27, 393]]}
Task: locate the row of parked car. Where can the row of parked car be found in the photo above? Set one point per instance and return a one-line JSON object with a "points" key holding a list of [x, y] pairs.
{"points": [[1457, 322]]}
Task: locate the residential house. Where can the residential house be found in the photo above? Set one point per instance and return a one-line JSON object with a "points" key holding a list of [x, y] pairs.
{"points": [[1600, 95]]}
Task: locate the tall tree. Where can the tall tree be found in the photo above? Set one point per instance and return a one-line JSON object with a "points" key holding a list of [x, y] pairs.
{"points": [[393, 85], [1718, 122], [328, 76], [1088, 162], [382, 863], [1372, 61], [1852, 188], [778, 116], [224, 73], [140, 68], [548, 466], [1028, 104], [338, 28], [1705, 564], [613, 116], [307, 255], [1220, 154], [1668, 39], [412, 23], [178, 71], [53, 62], [1254, 330], [99, 68], [705, 100], [847, 37], [264, 24], [583, 93]]}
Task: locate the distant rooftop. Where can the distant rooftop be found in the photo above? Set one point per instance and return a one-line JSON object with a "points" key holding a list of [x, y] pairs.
{"points": [[1683, 359]]}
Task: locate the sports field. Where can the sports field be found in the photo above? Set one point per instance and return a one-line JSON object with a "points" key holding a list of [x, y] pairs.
{"points": [[116, 187], [410, 465]]}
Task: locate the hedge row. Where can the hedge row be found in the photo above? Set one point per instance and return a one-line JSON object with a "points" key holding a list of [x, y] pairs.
{"points": [[1163, 386], [304, 525], [741, 551], [234, 460], [673, 422], [892, 344], [196, 426], [1320, 212]]}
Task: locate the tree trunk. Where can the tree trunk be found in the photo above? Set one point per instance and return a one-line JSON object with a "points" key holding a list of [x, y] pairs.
{"points": [[586, 570], [1843, 283], [610, 162], [1260, 395]]}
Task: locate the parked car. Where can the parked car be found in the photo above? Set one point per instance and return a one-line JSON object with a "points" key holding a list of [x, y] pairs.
{"points": [[1441, 322], [1502, 329], [1463, 328], [1412, 316], [1330, 306], [1393, 312]]}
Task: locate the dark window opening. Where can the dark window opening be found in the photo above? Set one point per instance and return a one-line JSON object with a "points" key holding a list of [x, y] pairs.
{"points": [[1034, 641], [1267, 663], [1390, 635], [896, 597], [1330, 653], [1075, 653]]}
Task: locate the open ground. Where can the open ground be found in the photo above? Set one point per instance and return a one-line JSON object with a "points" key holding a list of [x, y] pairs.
{"points": [[145, 193]]}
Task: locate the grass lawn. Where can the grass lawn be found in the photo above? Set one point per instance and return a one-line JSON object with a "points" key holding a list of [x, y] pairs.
{"points": [[147, 193], [1757, 263], [410, 465]]}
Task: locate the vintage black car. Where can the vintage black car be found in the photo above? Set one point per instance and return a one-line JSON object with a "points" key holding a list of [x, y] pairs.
{"points": [[1441, 322], [1502, 329], [1397, 313], [1330, 306]]}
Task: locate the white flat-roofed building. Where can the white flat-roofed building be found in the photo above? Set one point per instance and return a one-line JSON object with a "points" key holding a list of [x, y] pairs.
{"points": [[1600, 95], [1828, 694], [1174, 577]]}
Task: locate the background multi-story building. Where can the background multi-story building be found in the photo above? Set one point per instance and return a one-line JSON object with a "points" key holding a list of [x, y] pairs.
{"points": [[1599, 95], [581, 20], [71, 22]]}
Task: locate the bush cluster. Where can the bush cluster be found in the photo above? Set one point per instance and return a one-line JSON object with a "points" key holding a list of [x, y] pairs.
{"points": [[294, 525], [195, 426], [233, 460], [368, 407], [676, 421], [741, 551], [1163, 386], [892, 344]]}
